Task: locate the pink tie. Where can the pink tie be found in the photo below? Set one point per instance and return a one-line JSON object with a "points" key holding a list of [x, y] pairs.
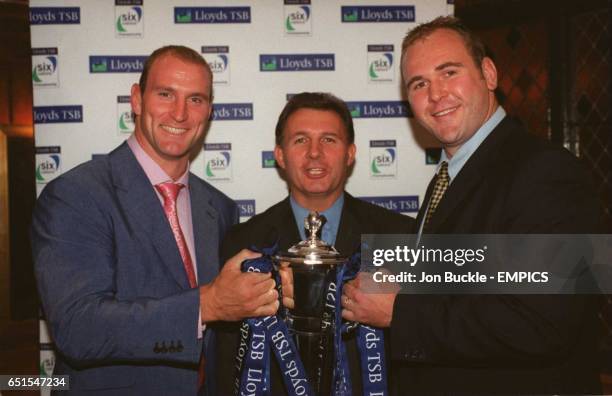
{"points": [[170, 192]]}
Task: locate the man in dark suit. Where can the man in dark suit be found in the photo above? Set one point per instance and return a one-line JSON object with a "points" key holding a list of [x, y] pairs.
{"points": [[126, 249], [315, 150], [494, 178]]}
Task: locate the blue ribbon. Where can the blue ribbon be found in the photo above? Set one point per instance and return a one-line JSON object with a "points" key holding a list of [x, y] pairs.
{"points": [[370, 344], [255, 375], [267, 333], [255, 379]]}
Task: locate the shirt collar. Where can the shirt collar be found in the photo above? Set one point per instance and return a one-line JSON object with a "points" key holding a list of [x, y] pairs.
{"points": [[456, 163], [151, 168], [332, 214]]}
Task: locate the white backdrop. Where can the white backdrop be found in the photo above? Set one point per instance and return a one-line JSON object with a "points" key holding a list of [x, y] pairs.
{"points": [[86, 56]]}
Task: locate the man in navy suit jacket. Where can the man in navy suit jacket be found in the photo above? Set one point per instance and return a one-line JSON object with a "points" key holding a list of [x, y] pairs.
{"points": [[124, 314], [502, 181], [315, 149]]}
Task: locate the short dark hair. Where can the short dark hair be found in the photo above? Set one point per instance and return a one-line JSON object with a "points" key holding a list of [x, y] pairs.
{"points": [[184, 53], [473, 44], [317, 101]]}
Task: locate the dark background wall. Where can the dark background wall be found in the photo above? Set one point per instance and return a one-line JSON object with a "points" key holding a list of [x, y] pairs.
{"points": [[16, 123], [555, 68]]}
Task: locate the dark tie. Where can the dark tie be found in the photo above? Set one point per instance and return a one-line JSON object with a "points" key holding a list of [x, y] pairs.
{"points": [[442, 180], [170, 192]]}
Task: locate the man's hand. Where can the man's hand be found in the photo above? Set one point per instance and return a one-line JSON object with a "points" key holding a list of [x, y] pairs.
{"points": [[235, 295], [367, 302], [286, 274]]}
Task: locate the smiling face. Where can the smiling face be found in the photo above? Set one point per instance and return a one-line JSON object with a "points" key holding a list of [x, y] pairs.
{"points": [[316, 156], [449, 95], [172, 113]]}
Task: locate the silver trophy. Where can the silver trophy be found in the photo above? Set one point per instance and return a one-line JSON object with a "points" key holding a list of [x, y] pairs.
{"points": [[310, 322]]}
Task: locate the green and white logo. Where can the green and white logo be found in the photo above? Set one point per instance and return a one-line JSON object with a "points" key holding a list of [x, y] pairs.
{"points": [[380, 63], [350, 16], [44, 67], [218, 58], [355, 110], [383, 158], [48, 163], [99, 67], [269, 64], [217, 160], [298, 20], [129, 19], [183, 16], [125, 120], [47, 363]]}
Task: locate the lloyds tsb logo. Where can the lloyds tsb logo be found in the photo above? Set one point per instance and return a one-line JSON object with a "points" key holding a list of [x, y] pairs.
{"points": [[116, 64], [384, 13], [296, 62]]}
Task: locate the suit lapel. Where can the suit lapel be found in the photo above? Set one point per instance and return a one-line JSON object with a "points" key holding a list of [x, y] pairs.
{"points": [[205, 231], [286, 230], [145, 213], [470, 176], [348, 230], [454, 195]]}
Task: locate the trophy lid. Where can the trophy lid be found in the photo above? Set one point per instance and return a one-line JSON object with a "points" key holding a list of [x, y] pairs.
{"points": [[312, 251]]}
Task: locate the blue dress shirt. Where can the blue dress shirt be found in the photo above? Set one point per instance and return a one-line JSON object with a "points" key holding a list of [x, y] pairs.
{"points": [[330, 228]]}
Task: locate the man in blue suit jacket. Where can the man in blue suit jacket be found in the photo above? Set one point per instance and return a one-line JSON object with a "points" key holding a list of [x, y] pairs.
{"points": [[112, 277]]}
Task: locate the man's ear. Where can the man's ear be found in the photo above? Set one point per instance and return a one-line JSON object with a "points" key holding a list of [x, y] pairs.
{"points": [[279, 157], [352, 150], [489, 72], [210, 102], [136, 99]]}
